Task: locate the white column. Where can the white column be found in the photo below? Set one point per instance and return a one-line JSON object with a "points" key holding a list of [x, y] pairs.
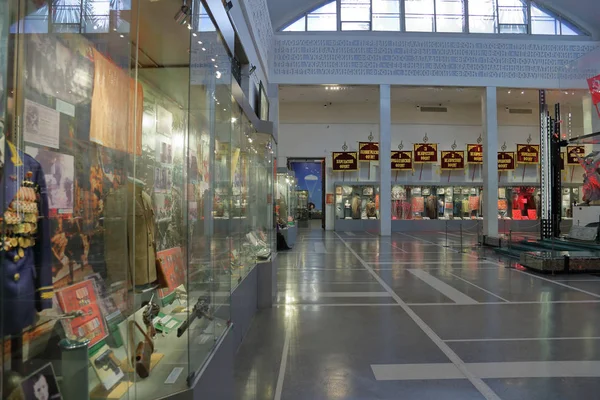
{"points": [[489, 110], [385, 162]]}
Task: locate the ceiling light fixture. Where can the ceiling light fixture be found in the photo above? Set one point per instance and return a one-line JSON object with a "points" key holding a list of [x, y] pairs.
{"points": [[194, 34], [509, 91], [182, 14], [522, 92]]}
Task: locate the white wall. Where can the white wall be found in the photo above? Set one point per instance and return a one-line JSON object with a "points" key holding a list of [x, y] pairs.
{"points": [[311, 130]]}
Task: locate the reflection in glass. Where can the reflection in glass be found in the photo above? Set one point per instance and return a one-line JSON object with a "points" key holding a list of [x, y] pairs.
{"points": [[449, 15]]}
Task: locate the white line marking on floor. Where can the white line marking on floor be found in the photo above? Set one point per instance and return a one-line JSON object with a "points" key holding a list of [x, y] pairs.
{"points": [[453, 294], [556, 283], [511, 303], [334, 294], [408, 372], [304, 306], [320, 248], [349, 234], [520, 339], [492, 370], [439, 245], [283, 365], [431, 262], [481, 386], [478, 287]]}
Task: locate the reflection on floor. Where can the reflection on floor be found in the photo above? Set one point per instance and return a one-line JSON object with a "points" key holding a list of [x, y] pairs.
{"points": [[364, 317]]}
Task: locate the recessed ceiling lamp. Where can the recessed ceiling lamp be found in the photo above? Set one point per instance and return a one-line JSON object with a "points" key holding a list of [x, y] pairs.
{"points": [[522, 92], [509, 92]]}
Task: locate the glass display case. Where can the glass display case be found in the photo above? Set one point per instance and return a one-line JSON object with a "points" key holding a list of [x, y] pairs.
{"points": [[429, 202], [285, 204], [302, 212], [135, 199], [519, 203], [571, 196], [356, 202]]}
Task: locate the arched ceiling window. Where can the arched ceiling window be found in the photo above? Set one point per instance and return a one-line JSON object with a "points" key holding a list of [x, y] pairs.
{"points": [[448, 16]]}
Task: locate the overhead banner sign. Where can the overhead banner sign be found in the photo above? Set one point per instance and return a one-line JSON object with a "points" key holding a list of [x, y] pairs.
{"points": [[368, 151], [475, 154], [425, 153], [506, 161], [344, 161], [573, 153], [402, 160], [528, 153], [453, 160]]}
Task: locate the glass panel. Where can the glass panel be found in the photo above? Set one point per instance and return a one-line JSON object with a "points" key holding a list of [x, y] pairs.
{"points": [[386, 6], [322, 22], [512, 12], [567, 30], [419, 7], [449, 24], [482, 24], [520, 29], [330, 8], [482, 16], [542, 23], [386, 22], [419, 16], [114, 175], [298, 26], [419, 23], [450, 15], [356, 10], [355, 26]]}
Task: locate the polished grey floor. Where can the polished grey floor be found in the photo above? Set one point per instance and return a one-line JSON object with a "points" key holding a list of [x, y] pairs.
{"points": [[419, 317]]}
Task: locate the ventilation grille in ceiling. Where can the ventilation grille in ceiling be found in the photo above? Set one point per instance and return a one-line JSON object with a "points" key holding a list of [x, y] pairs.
{"points": [[520, 111], [433, 109]]}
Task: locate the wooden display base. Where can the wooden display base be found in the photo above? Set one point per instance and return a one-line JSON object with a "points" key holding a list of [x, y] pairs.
{"points": [[156, 357], [118, 392]]}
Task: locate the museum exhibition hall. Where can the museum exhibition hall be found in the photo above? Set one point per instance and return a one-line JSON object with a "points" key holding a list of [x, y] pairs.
{"points": [[300, 200]]}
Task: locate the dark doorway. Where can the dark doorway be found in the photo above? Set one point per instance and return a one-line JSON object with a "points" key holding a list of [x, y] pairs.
{"points": [[310, 177]]}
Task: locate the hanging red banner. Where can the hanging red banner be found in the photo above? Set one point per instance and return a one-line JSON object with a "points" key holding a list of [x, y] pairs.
{"points": [[345, 161], [368, 151], [574, 153], [506, 161], [453, 160], [402, 160], [475, 153], [594, 85], [425, 153], [528, 153]]}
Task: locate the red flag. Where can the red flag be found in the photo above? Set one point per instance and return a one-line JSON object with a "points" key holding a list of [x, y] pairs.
{"points": [[594, 84]]}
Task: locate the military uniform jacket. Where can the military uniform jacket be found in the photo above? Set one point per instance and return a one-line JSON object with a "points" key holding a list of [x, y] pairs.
{"points": [[26, 271], [129, 246]]}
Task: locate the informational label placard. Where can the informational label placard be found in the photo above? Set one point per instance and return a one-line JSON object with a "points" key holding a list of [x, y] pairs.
{"points": [[506, 161], [368, 151], [402, 160], [528, 153], [475, 154], [453, 160], [562, 161], [344, 161], [573, 153], [42, 125], [425, 153]]}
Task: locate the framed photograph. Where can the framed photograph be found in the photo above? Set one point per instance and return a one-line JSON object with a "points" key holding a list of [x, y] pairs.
{"points": [[41, 384]]}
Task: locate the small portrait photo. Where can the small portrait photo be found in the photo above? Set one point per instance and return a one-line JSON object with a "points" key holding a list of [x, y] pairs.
{"points": [[32, 120], [41, 385]]}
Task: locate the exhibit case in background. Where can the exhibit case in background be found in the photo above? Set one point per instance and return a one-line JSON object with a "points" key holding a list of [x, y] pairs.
{"points": [[356, 206], [137, 197], [285, 206]]}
